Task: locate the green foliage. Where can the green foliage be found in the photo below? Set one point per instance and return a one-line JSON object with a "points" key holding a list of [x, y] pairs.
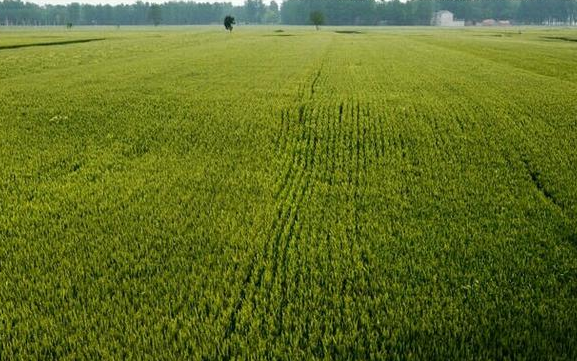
{"points": [[317, 18], [228, 22], [155, 14], [399, 194], [254, 11]]}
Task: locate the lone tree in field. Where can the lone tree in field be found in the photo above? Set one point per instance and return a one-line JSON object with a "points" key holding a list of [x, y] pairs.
{"points": [[317, 18], [228, 22]]}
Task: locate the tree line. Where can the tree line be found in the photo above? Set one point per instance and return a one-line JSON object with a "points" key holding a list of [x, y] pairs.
{"points": [[419, 12], [292, 12]]}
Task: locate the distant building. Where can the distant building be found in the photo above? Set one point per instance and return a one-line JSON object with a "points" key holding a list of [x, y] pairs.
{"points": [[445, 18], [488, 22], [493, 22]]}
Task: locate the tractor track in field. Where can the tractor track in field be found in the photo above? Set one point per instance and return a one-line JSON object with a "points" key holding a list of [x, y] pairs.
{"points": [[360, 173], [537, 182], [280, 263], [315, 80], [568, 232], [297, 145], [51, 43], [320, 141]]}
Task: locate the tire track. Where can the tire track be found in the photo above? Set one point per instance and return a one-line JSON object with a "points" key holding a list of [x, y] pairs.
{"points": [[536, 180], [307, 167], [297, 145]]}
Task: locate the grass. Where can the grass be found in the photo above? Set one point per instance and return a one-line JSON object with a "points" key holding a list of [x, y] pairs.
{"points": [[406, 193]]}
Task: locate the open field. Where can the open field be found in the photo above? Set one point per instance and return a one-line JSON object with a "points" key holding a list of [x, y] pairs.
{"points": [[387, 194]]}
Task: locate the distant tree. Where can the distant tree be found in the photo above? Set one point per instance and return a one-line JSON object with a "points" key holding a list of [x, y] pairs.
{"points": [[272, 14], [273, 6], [254, 11], [228, 22], [73, 15], [155, 14], [396, 13], [420, 12], [317, 18]]}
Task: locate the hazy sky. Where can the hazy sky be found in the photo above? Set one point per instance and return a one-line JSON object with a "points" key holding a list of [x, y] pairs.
{"points": [[115, 2]]}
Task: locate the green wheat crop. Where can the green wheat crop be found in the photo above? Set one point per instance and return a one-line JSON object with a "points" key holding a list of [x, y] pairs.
{"points": [[379, 193]]}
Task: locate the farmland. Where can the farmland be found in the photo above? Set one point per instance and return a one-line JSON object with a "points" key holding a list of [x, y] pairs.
{"points": [[368, 193]]}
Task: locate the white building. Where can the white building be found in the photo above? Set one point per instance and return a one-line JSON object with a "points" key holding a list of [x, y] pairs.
{"points": [[445, 18]]}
